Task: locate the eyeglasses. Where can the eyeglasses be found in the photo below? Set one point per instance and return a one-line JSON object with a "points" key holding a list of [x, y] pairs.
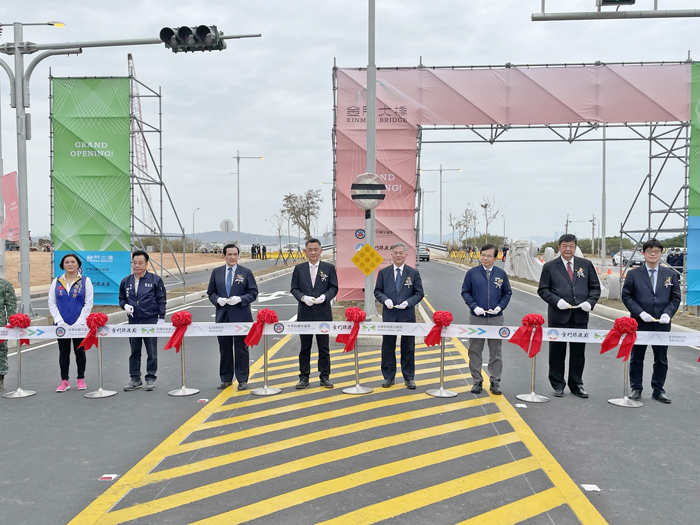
{"points": [[654, 252]]}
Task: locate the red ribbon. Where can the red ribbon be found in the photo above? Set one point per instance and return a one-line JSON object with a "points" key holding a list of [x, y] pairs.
{"points": [[521, 337], [355, 316], [180, 320], [95, 321], [441, 319], [265, 316], [21, 321], [623, 326]]}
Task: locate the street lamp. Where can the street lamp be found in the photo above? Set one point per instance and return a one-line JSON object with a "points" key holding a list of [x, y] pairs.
{"points": [[422, 212], [238, 192], [195, 211], [441, 169]]}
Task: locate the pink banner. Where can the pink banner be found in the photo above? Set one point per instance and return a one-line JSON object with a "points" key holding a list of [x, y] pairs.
{"points": [[10, 228]]}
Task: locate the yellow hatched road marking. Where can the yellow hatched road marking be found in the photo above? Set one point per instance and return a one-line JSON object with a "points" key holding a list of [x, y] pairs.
{"points": [[207, 491], [449, 489], [338, 351], [520, 510], [334, 486]]}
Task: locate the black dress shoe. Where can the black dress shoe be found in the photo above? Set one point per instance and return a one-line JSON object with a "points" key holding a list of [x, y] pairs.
{"points": [[224, 385], [581, 393], [326, 382], [303, 383], [558, 392], [476, 388], [495, 389], [410, 384], [636, 394], [661, 398], [242, 386], [387, 383]]}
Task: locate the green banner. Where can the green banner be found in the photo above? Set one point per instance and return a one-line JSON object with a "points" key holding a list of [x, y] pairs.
{"points": [[91, 184]]}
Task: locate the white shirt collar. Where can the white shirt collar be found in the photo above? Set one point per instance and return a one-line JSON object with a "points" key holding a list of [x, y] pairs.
{"points": [[399, 267], [567, 262], [488, 269], [650, 269], [233, 268], [314, 265]]}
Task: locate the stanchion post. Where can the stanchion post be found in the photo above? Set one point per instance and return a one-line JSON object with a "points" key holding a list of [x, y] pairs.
{"points": [[532, 397], [265, 390], [625, 401], [183, 391], [441, 392], [358, 388], [19, 392], [100, 392]]}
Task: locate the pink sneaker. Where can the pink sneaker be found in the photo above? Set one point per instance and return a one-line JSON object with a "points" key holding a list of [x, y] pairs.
{"points": [[81, 384], [65, 385]]}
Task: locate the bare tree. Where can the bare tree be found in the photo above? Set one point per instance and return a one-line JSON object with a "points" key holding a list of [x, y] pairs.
{"points": [[467, 222], [302, 209], [491, 211], [453, 223], [278, 220]]}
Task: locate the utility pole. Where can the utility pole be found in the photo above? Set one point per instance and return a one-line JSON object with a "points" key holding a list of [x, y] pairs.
{"points": [[593, 236], [566, 225]]}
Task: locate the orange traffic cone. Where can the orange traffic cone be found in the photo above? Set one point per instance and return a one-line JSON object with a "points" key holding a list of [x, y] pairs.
{"points": [[609, 271]]}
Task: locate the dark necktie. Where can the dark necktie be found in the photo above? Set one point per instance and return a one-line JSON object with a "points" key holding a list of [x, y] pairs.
{"points": [[651, 276], [398, 279], [488, 276], [570, 270], [229, 281]]}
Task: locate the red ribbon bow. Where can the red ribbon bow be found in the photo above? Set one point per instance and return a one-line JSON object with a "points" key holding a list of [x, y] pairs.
{"points": [[623, 326], [521, 337], [265, 316], [355, 316], [19, 321], [180, 320], [95, 321], [441, 319]]}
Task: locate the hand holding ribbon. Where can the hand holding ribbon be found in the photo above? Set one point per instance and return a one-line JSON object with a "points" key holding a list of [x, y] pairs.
{"points": [[521, 337], [355, 316], [95, 321], [265, 316], [441, 319], [623, 326], [180, 320]]}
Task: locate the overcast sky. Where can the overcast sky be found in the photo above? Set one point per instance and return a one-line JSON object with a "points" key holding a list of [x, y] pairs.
{"points": [[272, 97]]}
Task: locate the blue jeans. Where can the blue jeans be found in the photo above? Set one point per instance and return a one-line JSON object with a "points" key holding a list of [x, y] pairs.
{"points": [[135, 358]]}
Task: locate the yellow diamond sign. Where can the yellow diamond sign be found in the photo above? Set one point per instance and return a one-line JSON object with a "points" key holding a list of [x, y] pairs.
{"points": [[367, 259]]}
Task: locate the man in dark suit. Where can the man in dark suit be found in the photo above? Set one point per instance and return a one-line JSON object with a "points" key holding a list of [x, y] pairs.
{"points": [[652, 294], [231, 290], [571, 288], [400, 288], [314, 285]]}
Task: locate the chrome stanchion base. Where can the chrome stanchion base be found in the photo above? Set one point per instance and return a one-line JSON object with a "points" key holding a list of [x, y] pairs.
{"points": [[440, 392], [19, 393], [532, 398], [625, 402], [100, 393], [358, 389], [184, 391], [265, 391]]}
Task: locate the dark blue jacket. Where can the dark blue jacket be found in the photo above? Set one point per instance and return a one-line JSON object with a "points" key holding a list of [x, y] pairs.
{"points": [[149, 304], [487, 295]]}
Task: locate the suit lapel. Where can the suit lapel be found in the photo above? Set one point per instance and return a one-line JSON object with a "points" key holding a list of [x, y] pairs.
{"points": [[562, 269]]}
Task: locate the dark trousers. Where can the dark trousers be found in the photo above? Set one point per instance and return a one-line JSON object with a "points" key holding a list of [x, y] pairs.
{"points": [[408, 350], [324, 356], [658, 377], [227, 344], [557, 361], [151, 344], [64, 347]]}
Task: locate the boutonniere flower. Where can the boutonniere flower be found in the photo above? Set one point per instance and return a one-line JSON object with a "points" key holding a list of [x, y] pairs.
{"points": [[323, 276], [579, 273], [498, 282], [239, 278], [408, 282], [668, 282]]}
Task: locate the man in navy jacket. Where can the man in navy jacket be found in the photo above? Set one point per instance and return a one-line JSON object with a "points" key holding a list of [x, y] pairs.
{"points": [[652, 294], [486, 291], [400, 288], [142, 296], [232, 288]]}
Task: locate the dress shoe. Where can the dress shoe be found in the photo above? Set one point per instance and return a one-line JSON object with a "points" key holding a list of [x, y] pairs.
{"points": [[303, 383], [558, 392], [224, 385], [661, 398], [326, 382], [636, 394], [496, 389], [410, 384], [242, 386], [476, 388], [387, 383], [581, 393]]}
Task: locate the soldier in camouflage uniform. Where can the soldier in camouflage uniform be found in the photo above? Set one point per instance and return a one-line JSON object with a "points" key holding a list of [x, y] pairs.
{"points": [[8, 307]]}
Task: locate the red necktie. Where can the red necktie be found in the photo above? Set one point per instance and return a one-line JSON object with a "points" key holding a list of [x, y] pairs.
{"points": [[570, 270]]}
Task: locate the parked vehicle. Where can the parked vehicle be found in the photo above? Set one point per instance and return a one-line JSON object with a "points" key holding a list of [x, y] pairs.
{"points": [[625, 256], [423, 252]]}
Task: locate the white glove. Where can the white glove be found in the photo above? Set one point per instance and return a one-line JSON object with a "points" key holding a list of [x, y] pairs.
{"points": [[320, 299], [221, 301], [479, 311], [496, 310], [402, 306], [646, 317], [129, 309], [389, 304], [664, 319], [61, 323], [308, 300], [233, 300], [563, 305], [161, 321], [585, 306]]}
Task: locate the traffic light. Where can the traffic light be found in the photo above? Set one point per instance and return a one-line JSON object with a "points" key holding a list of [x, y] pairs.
{"points": [[200, 38], [615, 2]]}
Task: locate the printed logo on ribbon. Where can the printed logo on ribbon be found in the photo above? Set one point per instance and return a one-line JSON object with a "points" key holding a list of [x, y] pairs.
{"points": [[279, 328], [552, 335], [324, 328], [504, 332], [60, 331]]}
